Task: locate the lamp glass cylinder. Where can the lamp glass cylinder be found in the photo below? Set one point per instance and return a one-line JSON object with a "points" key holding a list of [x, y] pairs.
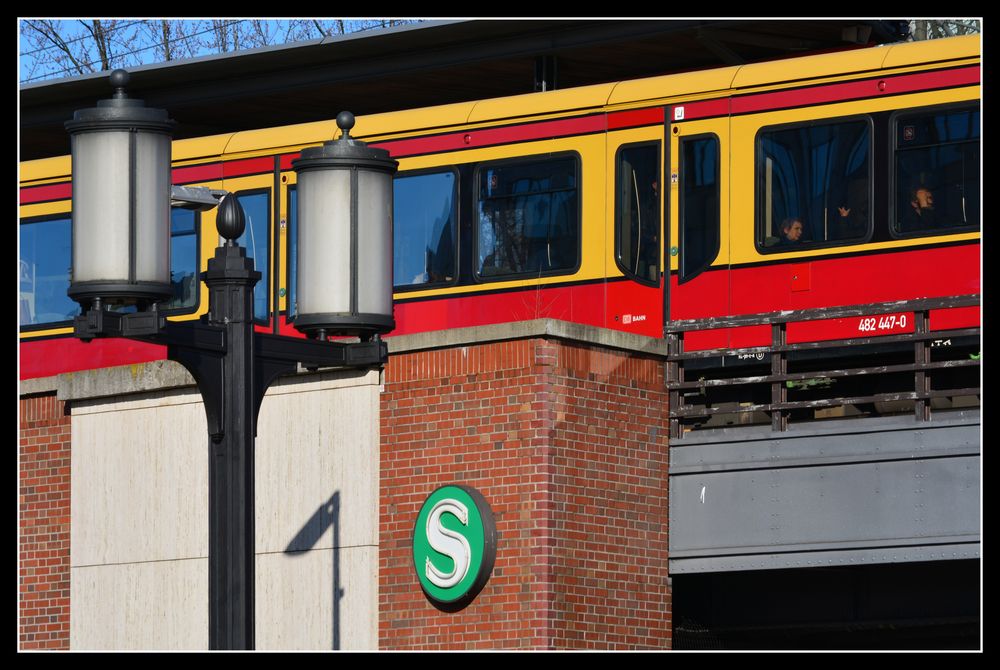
{"points": [[374, 243], [324, 245]]}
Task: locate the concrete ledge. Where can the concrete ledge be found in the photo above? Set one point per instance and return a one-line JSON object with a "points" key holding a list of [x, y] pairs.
{"points": [[159, 376], [123, 380], [818, 559], [549, 328], [38, 386], [163, 375], [849, 441]]}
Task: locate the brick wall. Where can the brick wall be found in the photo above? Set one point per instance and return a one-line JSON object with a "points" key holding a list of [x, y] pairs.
{"points": [[568, 444], [43, 517]]}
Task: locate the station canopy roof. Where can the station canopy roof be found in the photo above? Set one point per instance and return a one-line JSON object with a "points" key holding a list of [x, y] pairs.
{"points": [[428, 63]]}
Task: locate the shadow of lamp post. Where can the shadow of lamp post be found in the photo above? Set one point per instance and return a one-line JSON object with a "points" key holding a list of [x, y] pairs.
{"points": [[121, 270]]}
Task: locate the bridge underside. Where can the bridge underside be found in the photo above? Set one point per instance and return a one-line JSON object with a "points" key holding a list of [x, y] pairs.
{"points": [[850, 534]]}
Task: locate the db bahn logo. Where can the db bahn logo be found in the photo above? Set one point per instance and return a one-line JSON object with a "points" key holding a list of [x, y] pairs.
{"points": [[454, 546]]}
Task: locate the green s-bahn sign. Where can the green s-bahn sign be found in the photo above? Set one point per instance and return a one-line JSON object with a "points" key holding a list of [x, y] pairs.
{"points": [[454, 546]]}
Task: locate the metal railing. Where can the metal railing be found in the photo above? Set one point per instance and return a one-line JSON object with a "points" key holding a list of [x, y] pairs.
{"points": [[721, 391]]}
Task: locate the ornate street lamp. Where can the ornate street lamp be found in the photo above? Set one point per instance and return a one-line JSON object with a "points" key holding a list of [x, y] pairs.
{"points": [[121, 206], [345, 214], [121, 232]]}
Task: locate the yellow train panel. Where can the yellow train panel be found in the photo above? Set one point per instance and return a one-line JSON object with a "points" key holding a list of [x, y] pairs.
{"points": [[45, 170], [952, 48], [549, 102], [295, 137], [810, 67], [199, 148], [699, 84], [44, 209]]}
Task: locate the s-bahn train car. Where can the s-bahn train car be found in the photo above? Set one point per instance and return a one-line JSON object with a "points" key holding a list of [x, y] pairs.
{"points": [[679, 205]]}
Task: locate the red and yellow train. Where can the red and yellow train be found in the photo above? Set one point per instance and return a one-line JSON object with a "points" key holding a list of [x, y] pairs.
{"points": [[838, 179]]}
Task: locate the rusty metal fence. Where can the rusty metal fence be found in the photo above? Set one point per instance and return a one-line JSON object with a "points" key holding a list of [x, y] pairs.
{"points": [[805, 381]]}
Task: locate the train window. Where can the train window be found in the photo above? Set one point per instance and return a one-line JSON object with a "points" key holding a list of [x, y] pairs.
{"points": [[43, 267], [699, 204], [257, 208], [528, 217], [183, 259], [813, 185], [637, 211], [937, 156], [424, 220]]}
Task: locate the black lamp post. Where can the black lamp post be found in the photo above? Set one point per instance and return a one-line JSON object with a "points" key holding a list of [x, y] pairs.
{"points": [[121, 233]]}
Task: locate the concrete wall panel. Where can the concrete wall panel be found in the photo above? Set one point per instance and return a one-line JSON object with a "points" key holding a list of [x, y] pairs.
{"points": [[143, 605], [296, 595], [140, 473], [139, 572]]}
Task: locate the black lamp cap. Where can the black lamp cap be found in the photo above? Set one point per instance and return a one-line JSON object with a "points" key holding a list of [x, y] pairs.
{"points": [[345, 153], [120, 112]]}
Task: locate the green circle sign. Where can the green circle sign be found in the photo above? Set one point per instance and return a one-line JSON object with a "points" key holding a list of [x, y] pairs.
{"points": [[454, 545]]}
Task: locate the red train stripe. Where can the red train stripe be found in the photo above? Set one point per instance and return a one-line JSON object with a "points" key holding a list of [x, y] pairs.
{"points": [[954, 318], [33, 194], [635, 118], [197, 173], [815, 95], [853, 90], [700, 110], [248, 166], [485, 137], [44, 358]]}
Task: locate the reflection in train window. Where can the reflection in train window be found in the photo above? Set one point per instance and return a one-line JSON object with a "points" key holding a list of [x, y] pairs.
{"points": [[700, 198], [937, 171], [257, 208], [813, 184], [528, 221], [424, 228], [183, 259], [637, 211], [43, 269]]}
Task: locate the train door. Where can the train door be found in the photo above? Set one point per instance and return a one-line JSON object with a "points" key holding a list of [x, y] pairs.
{"points": [[635, 248], [699, 214]]}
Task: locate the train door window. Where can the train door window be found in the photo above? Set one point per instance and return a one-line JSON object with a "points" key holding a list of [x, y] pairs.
{"points": [[937, 155], [257, 208], [183, 260], [424, 219], [813, 185], [46, 254], [637, 211], [699, 204], [528, 217]]}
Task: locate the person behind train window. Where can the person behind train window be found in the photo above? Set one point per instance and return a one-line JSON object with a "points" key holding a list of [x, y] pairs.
{"points": [[649, 238], [920, 214], [850, 219], [791, 232]]}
